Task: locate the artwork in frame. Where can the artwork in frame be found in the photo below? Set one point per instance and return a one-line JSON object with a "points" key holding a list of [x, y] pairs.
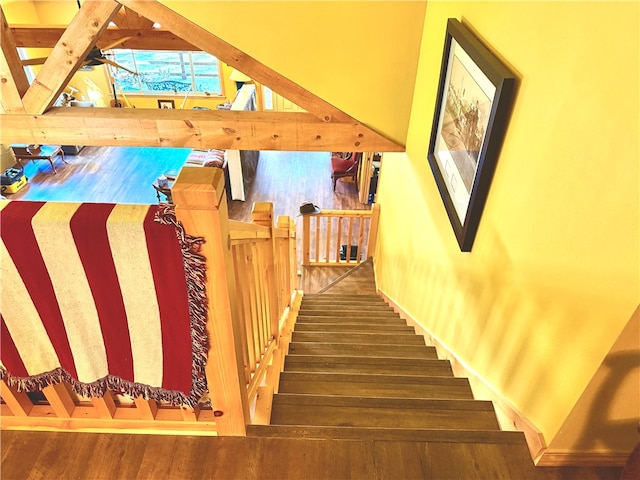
{"points": [[475, 94], [166, 104]]}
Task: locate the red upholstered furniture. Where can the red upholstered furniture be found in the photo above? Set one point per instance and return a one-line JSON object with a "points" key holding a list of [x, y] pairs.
{"points": [[344, 165]]}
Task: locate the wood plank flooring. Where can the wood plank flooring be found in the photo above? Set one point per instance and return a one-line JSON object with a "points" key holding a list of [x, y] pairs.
{"points": [[125, 175], [50, 455]]}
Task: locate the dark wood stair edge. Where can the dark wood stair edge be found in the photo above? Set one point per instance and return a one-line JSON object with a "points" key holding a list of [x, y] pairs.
{"points": [[388, 434], [351, 271]]}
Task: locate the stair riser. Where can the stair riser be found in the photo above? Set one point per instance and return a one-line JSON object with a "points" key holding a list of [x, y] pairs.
{"points": [[358, 338], [363, 369], [346, 308]]}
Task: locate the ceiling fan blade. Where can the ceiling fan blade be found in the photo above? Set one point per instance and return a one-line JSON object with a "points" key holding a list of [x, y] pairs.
{"points": [[117, 65], [116, 43], [34, 61]]}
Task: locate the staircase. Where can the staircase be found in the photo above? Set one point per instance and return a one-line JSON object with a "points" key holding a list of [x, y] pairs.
{"points": [[356, 371]]}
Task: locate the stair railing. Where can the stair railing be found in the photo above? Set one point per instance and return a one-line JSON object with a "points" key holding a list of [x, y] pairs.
{"points": [[251, 277], [250, 280], [339, 237]]}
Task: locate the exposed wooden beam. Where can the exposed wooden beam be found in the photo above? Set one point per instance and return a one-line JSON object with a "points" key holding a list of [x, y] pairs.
{"points": [[223, 129], [234, 57], [13, 80], [33, 36], [126, 18], [69, 53]]}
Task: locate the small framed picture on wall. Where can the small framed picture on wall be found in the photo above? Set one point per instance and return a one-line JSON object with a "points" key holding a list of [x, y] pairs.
{"points": [[166, 104]]}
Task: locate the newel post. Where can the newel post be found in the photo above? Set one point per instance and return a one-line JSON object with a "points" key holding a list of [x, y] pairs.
{"points": [[201, 206]]}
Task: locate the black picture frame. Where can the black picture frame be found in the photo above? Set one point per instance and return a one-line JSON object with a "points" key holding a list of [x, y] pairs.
{"points": [[475, 96]]}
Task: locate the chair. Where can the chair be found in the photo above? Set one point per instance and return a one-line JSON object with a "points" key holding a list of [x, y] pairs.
{"points": [[37, 152], [345, 165]]}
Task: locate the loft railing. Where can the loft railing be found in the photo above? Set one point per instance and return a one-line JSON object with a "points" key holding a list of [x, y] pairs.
{"points": [[250, 281], [339, 237]]}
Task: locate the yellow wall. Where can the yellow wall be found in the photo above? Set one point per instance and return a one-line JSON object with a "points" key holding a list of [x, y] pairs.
{"points": [[554, 273]]}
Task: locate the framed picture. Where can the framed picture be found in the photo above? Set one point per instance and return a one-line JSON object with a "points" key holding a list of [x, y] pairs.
{"points": [[473, 104], [166, 104]]}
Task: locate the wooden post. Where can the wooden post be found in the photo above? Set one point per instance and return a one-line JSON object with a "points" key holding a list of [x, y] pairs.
{"points": [[373, 230], [201, 206], [18, 402], [293, 257], [285, 277], [262, 214]]}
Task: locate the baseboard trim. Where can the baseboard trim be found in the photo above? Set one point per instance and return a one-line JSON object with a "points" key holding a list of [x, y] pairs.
{"points": [[509, 417]]}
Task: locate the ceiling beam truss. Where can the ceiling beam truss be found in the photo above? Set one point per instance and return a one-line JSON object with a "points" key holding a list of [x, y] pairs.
{"points": [[324, 128]]}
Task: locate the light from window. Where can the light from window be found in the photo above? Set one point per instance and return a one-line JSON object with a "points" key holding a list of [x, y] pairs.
{"points": [[166, 72]]}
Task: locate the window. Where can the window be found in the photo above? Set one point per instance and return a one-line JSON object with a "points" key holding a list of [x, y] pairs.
{"points": [[162, 71]]}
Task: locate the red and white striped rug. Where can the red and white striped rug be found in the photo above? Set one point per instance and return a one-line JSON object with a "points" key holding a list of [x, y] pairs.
{"points": [[104, 296]]}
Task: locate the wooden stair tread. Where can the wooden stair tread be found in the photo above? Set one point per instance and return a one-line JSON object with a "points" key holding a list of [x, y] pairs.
{"points": [[373, 365], [363, 349], [388, 434], [352, 320], [324, 410], [332, 312], [373, 385], [353, 328], [358, 338]]}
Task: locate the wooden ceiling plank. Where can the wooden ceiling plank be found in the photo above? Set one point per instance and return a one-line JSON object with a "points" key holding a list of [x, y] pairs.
{"points": [[126, 18], [34, 36], [244, 130], [69, 53], [234, 57], [12, 70]]}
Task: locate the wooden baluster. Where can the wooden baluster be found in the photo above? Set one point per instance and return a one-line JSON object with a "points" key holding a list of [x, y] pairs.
{"points": [[339, 239], [60, 400], [306, 239], [105, 405], [318, 219], [201, 206], [327, 253], [293, 257], [18, 402], [360, 238], [147, 409], [262, 214], [243, 309], [349, 237], [285, 264], [252, 287]]}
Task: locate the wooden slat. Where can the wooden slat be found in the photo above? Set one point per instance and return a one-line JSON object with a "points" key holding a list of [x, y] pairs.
{"points": [[234, 57], [263, 406], [360, 239], [60, 400], [146, 409], [105, 406], [39, 36], [254, 326], [317, 233], [328, 246], [222, 129], [201, 206], [190, 414], [69, 53], [349, 239], [244, 309], [306, 239], [18, 402]]}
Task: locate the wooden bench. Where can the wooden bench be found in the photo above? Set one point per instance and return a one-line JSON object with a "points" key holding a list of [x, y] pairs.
{"points": [[37, 152]]}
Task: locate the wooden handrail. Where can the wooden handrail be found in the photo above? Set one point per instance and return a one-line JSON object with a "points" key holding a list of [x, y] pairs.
{"points": [[333, 241]]}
